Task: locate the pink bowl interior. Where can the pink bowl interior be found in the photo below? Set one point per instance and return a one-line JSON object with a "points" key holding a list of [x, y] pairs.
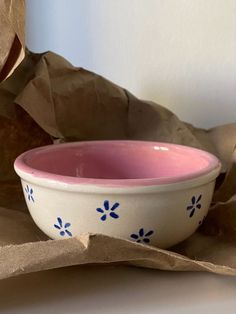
{"points": [[118, 160]]}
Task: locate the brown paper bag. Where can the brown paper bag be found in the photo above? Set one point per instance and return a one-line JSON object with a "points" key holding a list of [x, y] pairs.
{"points": [[46, 100], [12, 15]]}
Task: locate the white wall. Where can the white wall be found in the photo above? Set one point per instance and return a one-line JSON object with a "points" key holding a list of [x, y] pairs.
{"points": [[179, 53]]}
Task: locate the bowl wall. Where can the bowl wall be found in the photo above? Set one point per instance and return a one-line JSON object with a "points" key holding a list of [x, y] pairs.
{"points": [[159, 218]]}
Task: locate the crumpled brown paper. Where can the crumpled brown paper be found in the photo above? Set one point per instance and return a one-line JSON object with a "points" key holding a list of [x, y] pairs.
{"points": [[12, 13], [46, 100]]}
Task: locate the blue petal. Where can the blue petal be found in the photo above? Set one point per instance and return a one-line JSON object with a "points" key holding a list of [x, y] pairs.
{"points": [[59, 221], [56, 226], [104, 217], [190, 207], [134, 236], [27, 188], [199, 197], [193, 200], [146, 240], [67, 225], [149, 233], [198, 206], [31, 191], [28, 197], [99, 210], [115, 206], [138, 241], [62, 233], [106, 205], [141, 232], [32, 198], [114, 215], [192, 213], [69, 233]]}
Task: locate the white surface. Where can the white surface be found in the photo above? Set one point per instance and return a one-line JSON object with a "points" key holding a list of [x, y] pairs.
{"points": [[117, 290], [179, 53]]}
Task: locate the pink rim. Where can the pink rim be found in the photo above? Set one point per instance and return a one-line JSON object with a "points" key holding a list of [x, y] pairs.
{"points": [[211, 164]]}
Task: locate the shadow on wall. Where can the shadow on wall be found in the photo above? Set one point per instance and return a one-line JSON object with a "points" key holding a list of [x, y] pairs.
{"points": [[199, 100]]}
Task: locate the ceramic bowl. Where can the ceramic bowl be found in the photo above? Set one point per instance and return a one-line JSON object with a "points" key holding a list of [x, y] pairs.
{"points": [[147, 192]]}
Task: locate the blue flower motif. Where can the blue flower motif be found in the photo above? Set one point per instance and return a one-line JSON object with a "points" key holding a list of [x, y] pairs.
{"points": [[194, 205], [63, 228], [29, 191], [107, 210], [142, 236]]}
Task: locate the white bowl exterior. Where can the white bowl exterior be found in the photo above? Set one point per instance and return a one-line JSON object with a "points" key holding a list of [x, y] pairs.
{"points": [[163, 218]]}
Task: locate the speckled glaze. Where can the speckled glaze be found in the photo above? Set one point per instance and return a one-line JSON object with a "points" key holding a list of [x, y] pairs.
{"points": [[148, 192]]}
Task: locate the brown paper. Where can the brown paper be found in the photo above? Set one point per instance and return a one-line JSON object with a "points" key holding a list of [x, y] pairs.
{"points": [[47, 99], [12, 14]]}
